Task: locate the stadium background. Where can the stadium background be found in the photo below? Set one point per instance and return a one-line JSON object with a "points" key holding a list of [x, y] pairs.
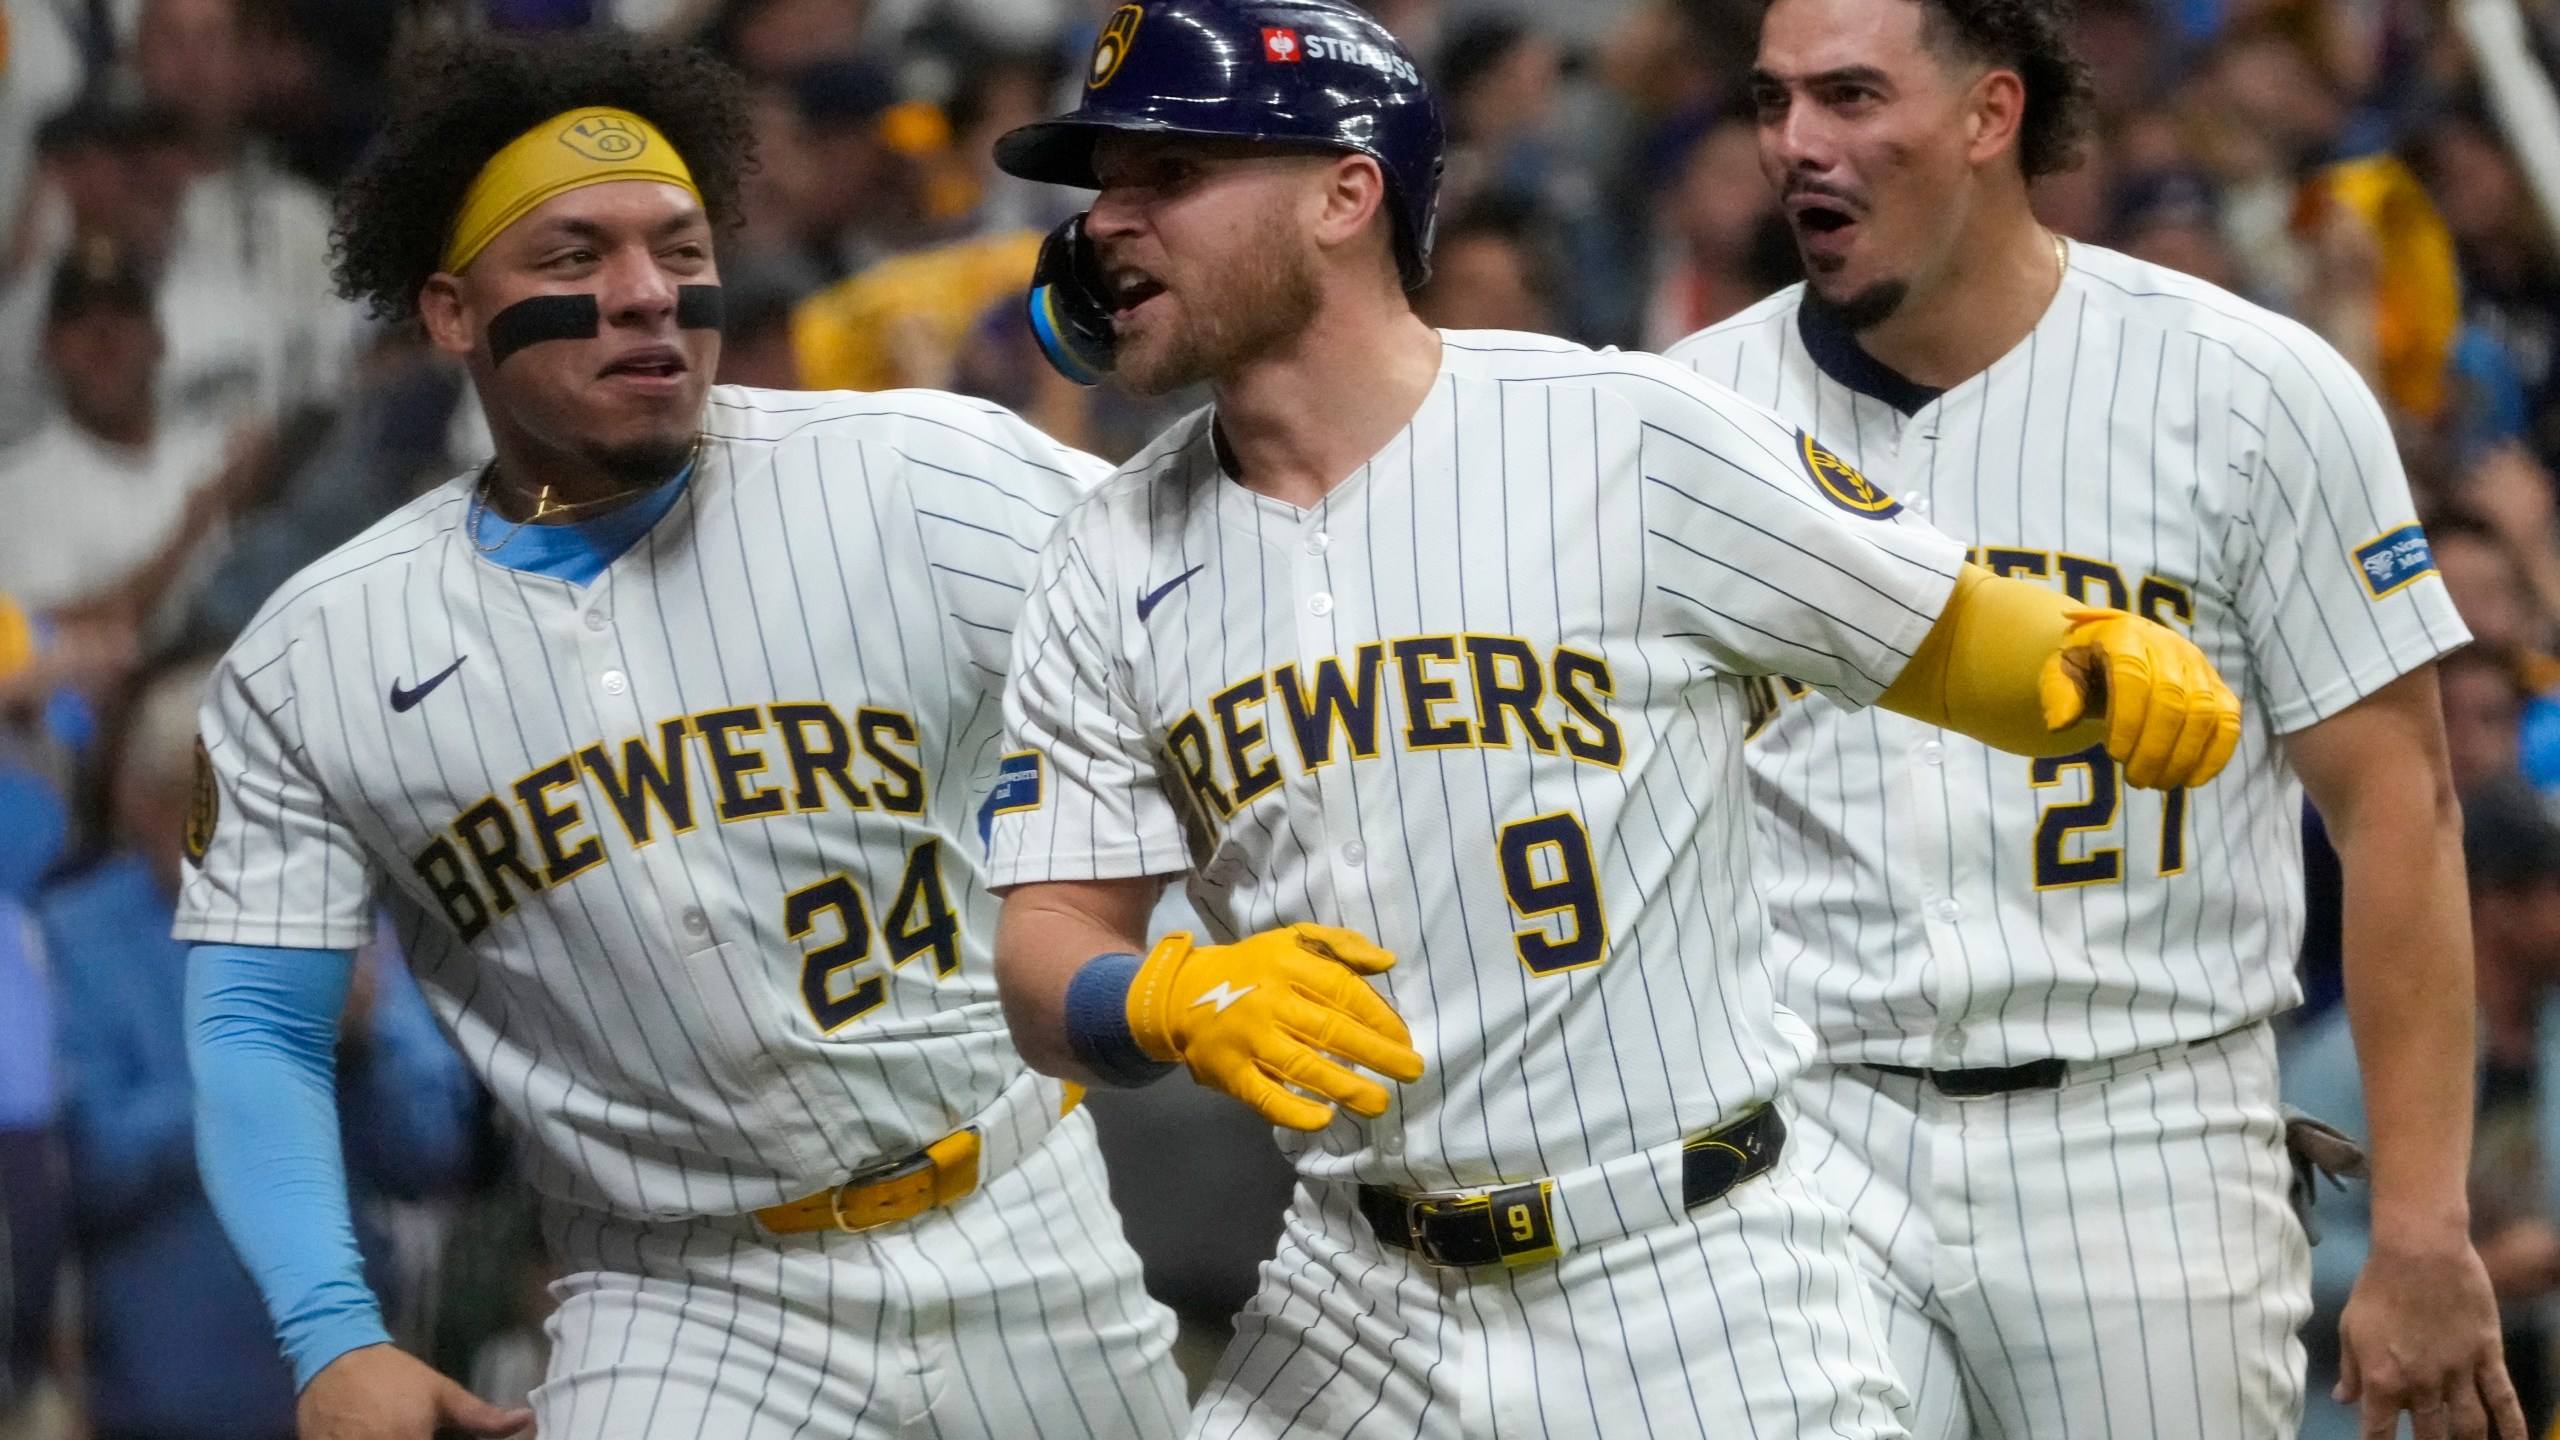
{"points": [[187, 416]]}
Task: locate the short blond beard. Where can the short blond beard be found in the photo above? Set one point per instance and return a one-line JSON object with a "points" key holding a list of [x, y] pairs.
{"points": [[1272, 292]]}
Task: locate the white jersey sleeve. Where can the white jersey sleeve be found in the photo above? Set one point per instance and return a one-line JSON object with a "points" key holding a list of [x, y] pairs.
{"points": [[272, 861], [1776, 556], [1082, 797], [2340, 594], [990, 489]]}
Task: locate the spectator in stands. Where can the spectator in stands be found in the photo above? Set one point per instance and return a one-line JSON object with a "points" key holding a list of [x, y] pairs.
{"points": [[1495, 267], [2483, 710], [769, 39], [2171, 218], [34, 1205], [2510, 267], [386, 442], [1497, 82], [107, 172], [1720, 246], [864, 204], [109, 503], [252, 321], [34, 1195], [176, 1344]]}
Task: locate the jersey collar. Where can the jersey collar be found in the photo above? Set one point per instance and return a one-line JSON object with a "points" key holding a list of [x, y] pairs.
{"points": [[1837, 353], [580, 550]]}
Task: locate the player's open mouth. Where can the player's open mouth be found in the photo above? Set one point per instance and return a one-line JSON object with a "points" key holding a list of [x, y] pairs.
{"points": [[1131, 288], [653, 362], [1825, 227]]}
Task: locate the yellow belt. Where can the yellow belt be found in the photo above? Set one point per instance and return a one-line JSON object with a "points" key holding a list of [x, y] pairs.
{"points": [[942, 1173]]}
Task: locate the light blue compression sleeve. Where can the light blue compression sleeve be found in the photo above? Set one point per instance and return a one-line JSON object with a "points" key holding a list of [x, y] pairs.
{"points": [[262, 1037]]}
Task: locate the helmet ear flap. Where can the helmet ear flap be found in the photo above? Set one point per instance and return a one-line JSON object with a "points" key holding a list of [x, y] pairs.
{"points": [[1070, 306]]}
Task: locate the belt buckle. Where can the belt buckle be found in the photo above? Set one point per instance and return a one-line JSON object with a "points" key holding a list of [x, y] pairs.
{"points": [[1519, 1220], [912, 1179]]}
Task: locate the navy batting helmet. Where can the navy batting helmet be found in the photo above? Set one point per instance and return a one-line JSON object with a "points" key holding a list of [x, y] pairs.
{"points": [[1305, 72], [1311, 72]]}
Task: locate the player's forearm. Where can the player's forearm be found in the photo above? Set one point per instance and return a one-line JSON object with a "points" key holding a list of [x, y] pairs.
{"points": [[261, 1034], [1047, 934], [2407, 932], [2378, 772]]}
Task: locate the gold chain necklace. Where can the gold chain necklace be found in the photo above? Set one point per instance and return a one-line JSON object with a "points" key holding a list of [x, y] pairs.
{"points": [[543, 509]]}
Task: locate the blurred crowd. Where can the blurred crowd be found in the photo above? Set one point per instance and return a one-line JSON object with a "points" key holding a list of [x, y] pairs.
{"points": [[188, 416]]}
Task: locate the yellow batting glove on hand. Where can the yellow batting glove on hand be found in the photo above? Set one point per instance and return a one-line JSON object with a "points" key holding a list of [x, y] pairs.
{"points": [[2171, 721], [1272, 1011]]}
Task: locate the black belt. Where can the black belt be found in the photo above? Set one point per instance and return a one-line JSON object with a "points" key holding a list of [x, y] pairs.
{"points": [[1515, 1224], [1990, 1080]]}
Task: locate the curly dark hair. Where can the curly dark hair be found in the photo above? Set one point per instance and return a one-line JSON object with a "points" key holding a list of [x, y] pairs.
{"points": [[2032, 37], [457, 101]]}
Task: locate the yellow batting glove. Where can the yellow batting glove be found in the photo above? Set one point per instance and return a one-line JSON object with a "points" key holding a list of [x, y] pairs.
{"points": [[1272, 1011], [2171, 721]]}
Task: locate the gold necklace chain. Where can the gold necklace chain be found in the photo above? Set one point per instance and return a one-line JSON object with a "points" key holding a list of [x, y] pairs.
{"points": [[543, 509]]}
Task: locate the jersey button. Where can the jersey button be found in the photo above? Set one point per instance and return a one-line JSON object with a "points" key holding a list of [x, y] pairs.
{"points": [[595, 619], [695, 922], [1946, 909], [1318, 543], [1320, 605], [1354, 853], [615, 682], [1916, 503], [1932, 753]]}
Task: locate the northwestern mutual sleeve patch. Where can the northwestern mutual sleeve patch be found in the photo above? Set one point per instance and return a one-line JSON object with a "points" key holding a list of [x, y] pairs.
{"points": [[2394, 561]]}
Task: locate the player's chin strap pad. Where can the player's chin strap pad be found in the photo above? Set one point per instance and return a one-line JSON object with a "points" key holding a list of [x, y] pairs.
{"points": [[1071, 306], [576, 317]]}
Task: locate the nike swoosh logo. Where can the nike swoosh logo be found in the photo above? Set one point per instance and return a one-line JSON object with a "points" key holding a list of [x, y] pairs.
{"points": [[1222, 995], [402, 700], [1148, 602]]}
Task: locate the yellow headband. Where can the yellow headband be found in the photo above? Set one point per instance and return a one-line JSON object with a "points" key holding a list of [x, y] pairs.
{"points": [[570, 150]]}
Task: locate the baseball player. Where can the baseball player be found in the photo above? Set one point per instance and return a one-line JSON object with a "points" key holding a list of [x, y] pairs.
{"points": [[662, 737], [2046, 1090], [1424, 657]]}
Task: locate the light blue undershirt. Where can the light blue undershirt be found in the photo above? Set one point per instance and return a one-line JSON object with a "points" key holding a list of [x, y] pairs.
{"points": [[579, 551], [262, 1037]]}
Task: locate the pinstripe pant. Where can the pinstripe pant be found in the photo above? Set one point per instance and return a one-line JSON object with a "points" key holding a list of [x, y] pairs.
{"points": [[1016, 1313], [2112, 1258], [1748, 1319]]}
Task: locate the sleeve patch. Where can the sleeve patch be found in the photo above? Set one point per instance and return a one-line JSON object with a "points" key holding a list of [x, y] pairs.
{"points": [[2394, 561], [1017, 788], [203, 809], [1840, 482]]}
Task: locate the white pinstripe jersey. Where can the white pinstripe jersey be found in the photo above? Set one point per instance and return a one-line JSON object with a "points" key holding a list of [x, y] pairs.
{"points": [[1484, 703], [2157, 444], [686, 858]]}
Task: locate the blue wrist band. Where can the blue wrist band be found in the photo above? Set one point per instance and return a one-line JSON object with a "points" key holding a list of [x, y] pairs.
{"points": [[1098, 1024]]}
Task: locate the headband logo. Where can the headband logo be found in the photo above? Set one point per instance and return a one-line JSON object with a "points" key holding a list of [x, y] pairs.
{"points": [[1113, 47], [1840, 482], [1282, 46], [606, 139]]}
